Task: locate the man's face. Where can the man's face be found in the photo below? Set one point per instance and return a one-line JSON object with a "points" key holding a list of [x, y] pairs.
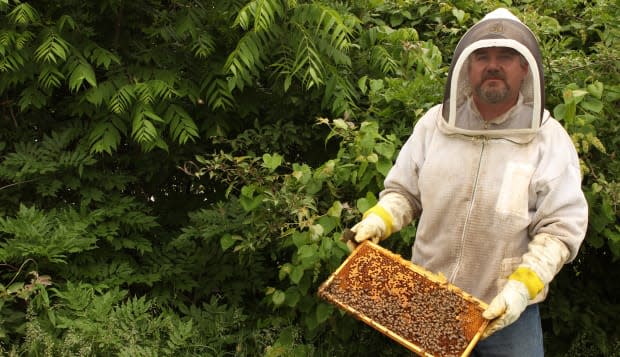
{"points": [[496, 74]]}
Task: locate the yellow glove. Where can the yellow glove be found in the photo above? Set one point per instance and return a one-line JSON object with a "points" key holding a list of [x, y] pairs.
{"points": [[506, 307], [545, 257], [375, 226]]}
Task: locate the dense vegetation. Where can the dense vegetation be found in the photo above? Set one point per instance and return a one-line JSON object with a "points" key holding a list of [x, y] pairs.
{"points": [[175, 175]]}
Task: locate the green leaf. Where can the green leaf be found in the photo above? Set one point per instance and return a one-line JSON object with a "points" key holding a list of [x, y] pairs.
{"points": [[285, 270], [364, 204], [459, 14], [23, 13], [302, 173], [311, 322], [307, 251], [362, 84], [574, 95], [278, 297], [272, 162], [613, 235], [384, 165], [143, 129], [559, 112], [182, 126], [293, 297], [286, 338], [227, 241], [385, 149], [15, 288], [53, 49], [81, 72], [323, 311], [592, 104], [250, 204], [300, 239], [248, 201], [596, 89], [105, 137], [335, 210], [31, 97], [341, 124], [297, 273], [328, 223]]}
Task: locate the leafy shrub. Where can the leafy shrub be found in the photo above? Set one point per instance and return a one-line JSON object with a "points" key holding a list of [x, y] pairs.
{"points": [[176, 175]]}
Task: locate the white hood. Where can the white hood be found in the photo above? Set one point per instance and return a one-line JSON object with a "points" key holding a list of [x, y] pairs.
{"points": [[499, 28]]}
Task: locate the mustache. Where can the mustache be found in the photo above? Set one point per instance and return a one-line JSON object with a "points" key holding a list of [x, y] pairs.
{"points": [[493, 74]]}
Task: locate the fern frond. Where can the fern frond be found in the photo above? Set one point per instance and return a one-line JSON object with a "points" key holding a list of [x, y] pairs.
{"points": [[59, 140], [50, 77], [122, 99], [381, 60], [308, 64], [13, 62], [100, 94], [100, 56], [142, 129], [217, 94], [23, 14], [403, 34], [203, 46], [81, 71], [247, 59], [260, 15], [340, 94], [42, 157], [322, 37], [52, 49], [6, 39], [182, 126], [52, 235], [21, 39], [66, 21], [106, 135], [143, 93], [327, 22], [32, 97], [162, 89]]}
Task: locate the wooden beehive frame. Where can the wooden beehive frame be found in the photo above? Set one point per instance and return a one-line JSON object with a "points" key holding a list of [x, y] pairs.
{"points": [[437, 280]]}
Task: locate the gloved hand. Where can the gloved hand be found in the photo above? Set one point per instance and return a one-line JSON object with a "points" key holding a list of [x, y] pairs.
{"points": [[371, 227], [375, 226], [389, 215], [545, 257], [506, 307]]}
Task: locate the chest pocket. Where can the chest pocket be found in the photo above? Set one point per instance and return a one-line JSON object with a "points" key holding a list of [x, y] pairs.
{"points": [[514, 192]]}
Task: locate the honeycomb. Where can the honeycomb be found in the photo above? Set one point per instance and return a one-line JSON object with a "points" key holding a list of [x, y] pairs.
{"points": [[414, 307]]}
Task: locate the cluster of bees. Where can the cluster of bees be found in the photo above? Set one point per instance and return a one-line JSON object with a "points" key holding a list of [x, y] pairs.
{"points": [[423, 312]]}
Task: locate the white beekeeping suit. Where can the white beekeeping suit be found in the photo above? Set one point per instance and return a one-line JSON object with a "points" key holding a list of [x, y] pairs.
{"points": [[499, 201]]}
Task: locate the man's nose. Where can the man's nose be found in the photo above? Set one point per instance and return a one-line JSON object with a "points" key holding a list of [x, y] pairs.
{"points": [[493, 63]]}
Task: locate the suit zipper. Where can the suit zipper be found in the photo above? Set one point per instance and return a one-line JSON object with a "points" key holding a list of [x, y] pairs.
{"points": [[469, 210]]}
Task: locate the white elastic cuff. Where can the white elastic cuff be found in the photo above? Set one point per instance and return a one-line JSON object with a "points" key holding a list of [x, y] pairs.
{"points": [[545, 256], [399, 208]]}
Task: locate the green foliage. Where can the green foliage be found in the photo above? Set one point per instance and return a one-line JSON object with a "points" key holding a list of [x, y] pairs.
{"points": [[175, 176]]}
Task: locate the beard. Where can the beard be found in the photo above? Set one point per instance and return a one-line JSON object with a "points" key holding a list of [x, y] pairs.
{"points": [[490, 93]]}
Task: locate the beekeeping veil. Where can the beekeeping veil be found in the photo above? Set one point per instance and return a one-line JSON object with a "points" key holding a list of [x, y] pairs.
{"points": [[499, 28]]}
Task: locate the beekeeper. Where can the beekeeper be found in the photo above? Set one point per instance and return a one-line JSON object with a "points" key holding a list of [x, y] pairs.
{"points": [[495, 183]]}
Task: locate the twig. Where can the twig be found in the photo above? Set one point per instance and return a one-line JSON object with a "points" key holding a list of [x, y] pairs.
{"points": [[15, 184], [20, 269]]}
